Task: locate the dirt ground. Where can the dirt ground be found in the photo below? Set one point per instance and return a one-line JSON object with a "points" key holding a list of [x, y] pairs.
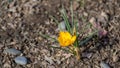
{"points": [[22, 21]]}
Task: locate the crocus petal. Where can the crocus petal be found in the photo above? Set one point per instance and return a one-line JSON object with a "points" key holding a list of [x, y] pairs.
{"points": [[73, 38], [66, 39]]}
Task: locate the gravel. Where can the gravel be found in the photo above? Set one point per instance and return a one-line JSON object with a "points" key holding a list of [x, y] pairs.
{"points": [[21, 21]]}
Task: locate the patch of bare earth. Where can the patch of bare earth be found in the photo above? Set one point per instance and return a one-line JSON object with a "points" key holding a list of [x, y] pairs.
{"points": [[22, 21]]}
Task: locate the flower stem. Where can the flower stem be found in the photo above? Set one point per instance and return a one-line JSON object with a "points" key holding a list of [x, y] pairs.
{"points": [[77, 53]]}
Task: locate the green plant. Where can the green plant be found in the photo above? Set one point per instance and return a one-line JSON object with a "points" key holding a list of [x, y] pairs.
{"points": [[69, 37]]}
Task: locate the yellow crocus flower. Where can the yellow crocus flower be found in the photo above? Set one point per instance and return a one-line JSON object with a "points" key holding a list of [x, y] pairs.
{"points": [[66, 39]]}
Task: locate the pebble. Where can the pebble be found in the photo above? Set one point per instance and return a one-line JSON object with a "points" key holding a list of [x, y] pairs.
{"points": [[21, 60], [87, 55], [104, 65], [103, 18], [7, 65], [13, 9], [61, 26], [13, 51], [85, 14], [103, 14], [92, 20], [115, 57], [75, 5]]}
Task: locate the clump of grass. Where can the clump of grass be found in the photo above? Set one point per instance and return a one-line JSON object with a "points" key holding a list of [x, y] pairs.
{"points": [[70, 37]]}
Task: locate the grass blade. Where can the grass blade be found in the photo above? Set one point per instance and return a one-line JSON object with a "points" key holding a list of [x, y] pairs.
{"points": [[47, 36], [64, 15], [62, 49], [56, 21]]}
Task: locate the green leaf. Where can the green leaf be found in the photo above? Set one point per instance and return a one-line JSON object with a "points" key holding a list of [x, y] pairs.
{"points": [[85, 41], [87, 38], [47, 36], [62, 49], [64, 15], [72, 15], [56, 21]]}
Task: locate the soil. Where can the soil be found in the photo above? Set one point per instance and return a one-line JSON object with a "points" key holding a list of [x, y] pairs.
{"points": [[22, 21]]}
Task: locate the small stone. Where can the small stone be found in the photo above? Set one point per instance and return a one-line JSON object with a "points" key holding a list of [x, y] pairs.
{"points": [[4, 28], [7, 65], [13, 9], [103, 18], [21, 60], [87, 55], [85, 14], [13, 51], [115, 57], [61, 26], [104, 65], [75, 5], [103, 14], [92, 20]]}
